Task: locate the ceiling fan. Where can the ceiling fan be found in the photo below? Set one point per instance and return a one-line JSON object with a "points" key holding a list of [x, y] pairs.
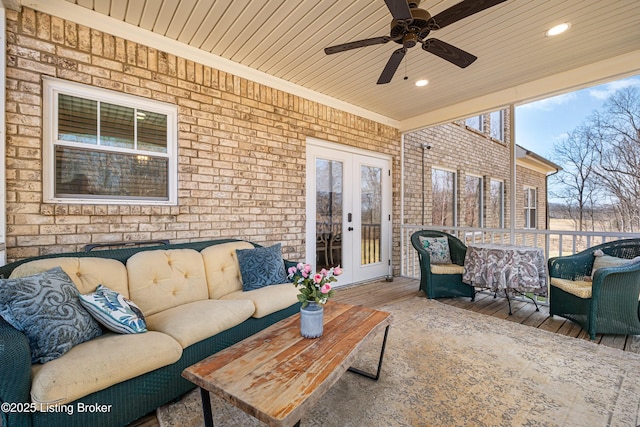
{"points": [[411, 25]]}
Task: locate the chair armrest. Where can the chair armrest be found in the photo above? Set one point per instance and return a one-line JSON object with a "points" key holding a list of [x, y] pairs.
{"points": [[625, 274], [15, 371]]}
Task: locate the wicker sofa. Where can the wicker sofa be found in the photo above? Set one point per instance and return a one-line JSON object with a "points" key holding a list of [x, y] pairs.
{"points": [[604, 301], [192, 299]]}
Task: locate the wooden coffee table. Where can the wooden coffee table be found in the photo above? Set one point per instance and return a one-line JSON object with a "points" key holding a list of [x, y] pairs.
{"points": [[276, 375]]}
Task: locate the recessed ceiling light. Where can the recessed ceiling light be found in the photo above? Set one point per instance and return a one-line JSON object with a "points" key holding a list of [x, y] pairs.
{"points": [[558, 29], [421, 83]]}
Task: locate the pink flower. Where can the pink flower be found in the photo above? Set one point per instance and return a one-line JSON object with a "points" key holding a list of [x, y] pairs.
{"points": [[317, 278], [325, 288], [300, 266], [324, 272], [307, 268], [337, 271], [292, 271], [304, 274]]}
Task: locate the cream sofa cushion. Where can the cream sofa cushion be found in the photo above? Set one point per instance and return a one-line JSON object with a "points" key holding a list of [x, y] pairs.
{"points": [[222, 268], [100, 363], [447, 269], [193, 322], [86, 273], [161, 279], [579, 288], [268, 299]]}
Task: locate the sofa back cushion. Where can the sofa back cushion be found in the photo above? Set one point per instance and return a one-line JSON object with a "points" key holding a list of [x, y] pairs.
{"points": [[161, 279], [222, 268], [86, 273]]}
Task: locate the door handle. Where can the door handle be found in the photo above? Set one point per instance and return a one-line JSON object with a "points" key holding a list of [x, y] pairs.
{"points": [[350, 229]]}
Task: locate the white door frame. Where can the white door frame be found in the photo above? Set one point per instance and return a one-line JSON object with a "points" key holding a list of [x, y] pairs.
{"points": [[313, 146]]}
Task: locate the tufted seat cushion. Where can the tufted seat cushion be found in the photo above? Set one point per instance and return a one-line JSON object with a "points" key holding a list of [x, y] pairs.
{"points": [[99, 363], [578, 288], [447, 269], [193, 322], [269, 299], [86, 273], [162, 279], [222, 268]]}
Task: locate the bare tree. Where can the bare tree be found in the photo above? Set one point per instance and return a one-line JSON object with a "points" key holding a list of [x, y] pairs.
{"points": [[617, 133], [579, 185]]}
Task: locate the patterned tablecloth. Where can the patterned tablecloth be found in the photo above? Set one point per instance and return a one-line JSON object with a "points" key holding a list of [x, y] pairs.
{"points": [[506, 268]]}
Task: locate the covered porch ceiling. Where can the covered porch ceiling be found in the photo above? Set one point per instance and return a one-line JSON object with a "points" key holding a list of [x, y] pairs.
{"points": [[281, 42]]}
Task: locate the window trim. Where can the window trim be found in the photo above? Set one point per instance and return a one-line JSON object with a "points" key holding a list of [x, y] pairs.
{"points": [[454, 190], [528, 208], [502, 197], [52, 87], [501, 119], [480, 201]]}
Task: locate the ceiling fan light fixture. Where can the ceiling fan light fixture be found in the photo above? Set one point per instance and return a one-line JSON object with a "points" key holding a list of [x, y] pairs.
{"points": [[421, 83], [558, 29]]}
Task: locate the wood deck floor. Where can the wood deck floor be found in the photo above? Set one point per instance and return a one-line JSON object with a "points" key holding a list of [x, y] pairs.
{"points": [[377, 294]]}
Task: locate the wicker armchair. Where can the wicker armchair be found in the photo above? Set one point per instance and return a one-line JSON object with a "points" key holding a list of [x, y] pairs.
{"points": [[608, 304], [442, 280]]}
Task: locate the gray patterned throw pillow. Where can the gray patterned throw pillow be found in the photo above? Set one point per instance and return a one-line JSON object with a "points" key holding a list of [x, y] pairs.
{"points": [[46, 308], [438, 248], [261, 267]]}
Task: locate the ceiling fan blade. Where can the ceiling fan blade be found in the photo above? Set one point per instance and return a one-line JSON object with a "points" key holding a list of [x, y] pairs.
{"points": [[462, 10], [399, 10], [392, 66], [354, 45], [449, 53]]}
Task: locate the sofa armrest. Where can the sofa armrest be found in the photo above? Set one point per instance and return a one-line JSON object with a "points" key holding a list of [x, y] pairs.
{"points": [[15, 372]]}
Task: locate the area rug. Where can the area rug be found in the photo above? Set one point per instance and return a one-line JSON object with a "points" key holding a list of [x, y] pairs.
{"points": [[445, 366]]}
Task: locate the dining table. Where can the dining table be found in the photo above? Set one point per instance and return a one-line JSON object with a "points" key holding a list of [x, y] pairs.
{"points": [[506, 269]]}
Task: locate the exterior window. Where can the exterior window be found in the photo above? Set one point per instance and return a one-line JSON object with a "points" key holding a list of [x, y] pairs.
{"points": [[443, 187], [475, 122], [495, 216], [496, 120], [104, 147], [530, 210], [473, 201]]}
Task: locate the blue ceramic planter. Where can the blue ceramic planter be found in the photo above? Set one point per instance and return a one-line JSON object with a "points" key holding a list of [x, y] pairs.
{"points": [[311, 320]]}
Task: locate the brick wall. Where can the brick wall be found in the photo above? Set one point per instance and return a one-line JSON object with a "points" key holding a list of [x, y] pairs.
{"points": [[241, 145], [464, 150]]}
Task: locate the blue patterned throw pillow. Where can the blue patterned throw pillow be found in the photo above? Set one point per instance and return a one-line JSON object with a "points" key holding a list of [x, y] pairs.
{"points": [[438, 248], [114, 311], [261, 267], [46, 308]]}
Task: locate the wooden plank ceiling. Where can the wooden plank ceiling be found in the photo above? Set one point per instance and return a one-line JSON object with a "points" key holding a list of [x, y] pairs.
{"points": [[285, 38]]}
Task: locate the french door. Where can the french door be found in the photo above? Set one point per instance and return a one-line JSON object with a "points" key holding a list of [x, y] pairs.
{"points": [[348, 211]]}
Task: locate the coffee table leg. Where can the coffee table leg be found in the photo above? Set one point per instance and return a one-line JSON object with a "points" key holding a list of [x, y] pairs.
{"points": [[206, 408], [377, 374]]}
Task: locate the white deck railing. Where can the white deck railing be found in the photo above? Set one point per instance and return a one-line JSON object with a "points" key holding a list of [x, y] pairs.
{"points": [[554, 242]]}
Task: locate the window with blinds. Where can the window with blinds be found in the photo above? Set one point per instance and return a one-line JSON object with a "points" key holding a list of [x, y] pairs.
{"points": [[104, 146]]}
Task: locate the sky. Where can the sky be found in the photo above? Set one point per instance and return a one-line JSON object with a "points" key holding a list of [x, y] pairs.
{"points": [[541, 123]]}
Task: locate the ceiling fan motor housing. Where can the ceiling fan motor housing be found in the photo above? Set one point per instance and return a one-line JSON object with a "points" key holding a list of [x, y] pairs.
{"points": [[419, 26]]}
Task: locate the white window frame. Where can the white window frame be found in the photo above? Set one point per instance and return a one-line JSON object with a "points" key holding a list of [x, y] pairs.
{"points": [[501, 207], [499, 127], [454, 190], [480, 201], [52, 87], [480, 118], [531, 207]]}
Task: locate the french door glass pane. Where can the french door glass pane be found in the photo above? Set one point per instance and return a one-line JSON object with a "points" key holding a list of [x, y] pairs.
{"points": [[329, 192], [370, 214]]}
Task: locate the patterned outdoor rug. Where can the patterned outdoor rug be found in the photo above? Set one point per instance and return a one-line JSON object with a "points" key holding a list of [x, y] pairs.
{"points": [[446, 366]]}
